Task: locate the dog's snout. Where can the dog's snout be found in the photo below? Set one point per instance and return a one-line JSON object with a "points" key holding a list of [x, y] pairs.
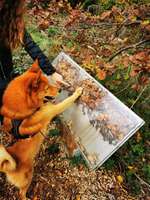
{"points": [[49, 97]]}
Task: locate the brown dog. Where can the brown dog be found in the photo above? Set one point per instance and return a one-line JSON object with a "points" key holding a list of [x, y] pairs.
{"points": [[25, 95], [17, 160]]}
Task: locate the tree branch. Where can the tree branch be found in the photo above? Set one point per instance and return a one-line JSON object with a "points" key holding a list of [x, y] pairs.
{"points": [[142, 181], [128, 47]]}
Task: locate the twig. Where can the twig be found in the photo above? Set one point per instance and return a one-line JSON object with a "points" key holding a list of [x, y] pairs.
{"points": [[126, 23], [145, 87], [123, 89], [142, 181], [128, 47], [134, 22], [120, 27]]}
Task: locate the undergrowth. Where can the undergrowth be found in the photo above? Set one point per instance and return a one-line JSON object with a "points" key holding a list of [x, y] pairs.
{"points": [[133, 156]]}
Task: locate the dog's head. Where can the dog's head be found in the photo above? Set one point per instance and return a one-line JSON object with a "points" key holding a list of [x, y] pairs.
{"points": [[38, 85], [26, 93]]}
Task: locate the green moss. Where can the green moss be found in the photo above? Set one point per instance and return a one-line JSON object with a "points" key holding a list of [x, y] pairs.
{"points": [[54, 132]]}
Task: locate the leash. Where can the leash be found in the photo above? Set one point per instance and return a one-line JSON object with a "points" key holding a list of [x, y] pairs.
{"points": [[43, 135]]}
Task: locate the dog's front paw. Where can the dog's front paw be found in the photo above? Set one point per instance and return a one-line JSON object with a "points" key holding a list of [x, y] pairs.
{"points": [[78, 91]]}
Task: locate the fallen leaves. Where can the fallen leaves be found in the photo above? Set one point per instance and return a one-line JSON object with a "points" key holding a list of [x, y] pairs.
{"points": [[136, 87], [101, 75], [142, 61], [74, 17], [105, 14], [138, 137], [139, 57], [120, 179], [78, 197], [35, 198], [44, 24], [105, 52], [130, 167]]}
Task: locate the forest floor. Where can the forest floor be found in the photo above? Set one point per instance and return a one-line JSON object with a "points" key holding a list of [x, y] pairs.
{"points": [[114, 47]]}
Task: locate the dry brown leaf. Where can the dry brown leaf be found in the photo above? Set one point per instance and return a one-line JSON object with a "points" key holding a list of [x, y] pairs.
{"points": [[106, 52], [133, 73], [35, 198], [101, 74], [136, 87], [138, 137], [142, 56], [144, 80], [44, 24], [120, 179], [126, 61], [115, 10], [134, 60], [119, 18], [109, 66], [130, 167], [147, 27], [105, 14], [78, 197], [73, 17]]}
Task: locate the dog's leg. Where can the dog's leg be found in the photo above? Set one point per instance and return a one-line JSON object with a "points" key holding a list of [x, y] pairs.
{"points": [[22, 194], [23, 190], [46, 113], [60, 107]]}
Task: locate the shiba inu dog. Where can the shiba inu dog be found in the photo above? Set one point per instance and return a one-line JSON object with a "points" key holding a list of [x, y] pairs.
{"points": [[25, 94], [16, 161]]}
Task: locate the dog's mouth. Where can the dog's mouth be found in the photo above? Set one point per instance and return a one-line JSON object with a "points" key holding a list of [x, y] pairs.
{"points": [[49, 99]]}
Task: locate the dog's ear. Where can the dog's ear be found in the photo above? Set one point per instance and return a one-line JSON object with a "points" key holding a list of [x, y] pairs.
{"points": [[33, 81], [35, 67], [36, 81]]}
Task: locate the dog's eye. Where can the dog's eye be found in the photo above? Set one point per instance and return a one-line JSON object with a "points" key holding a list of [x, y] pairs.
{"points": [[46, 88]]}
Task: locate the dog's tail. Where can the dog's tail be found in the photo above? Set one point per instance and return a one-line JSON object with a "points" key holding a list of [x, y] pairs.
{"points": [[7, 162]]}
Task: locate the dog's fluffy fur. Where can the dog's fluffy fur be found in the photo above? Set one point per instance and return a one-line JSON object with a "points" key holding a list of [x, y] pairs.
{"points": [[25, 95], [17, 160]]}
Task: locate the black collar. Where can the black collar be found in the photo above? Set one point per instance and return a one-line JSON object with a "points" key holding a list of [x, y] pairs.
{"points": [[15, 130]]}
